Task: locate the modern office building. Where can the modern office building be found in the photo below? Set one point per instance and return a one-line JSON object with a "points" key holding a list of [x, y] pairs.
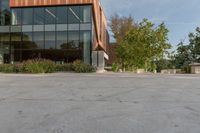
{"points": [[60, 30]]}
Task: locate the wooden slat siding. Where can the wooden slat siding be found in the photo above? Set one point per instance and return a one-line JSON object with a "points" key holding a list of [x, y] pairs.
{"points": [[24, 3], [97, 11]]}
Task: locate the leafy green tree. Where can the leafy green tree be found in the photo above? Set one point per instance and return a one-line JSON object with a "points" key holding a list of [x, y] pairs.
{"points": [[183, 56], [143, 45], [194, 45], [189, 53], [164, 64]]}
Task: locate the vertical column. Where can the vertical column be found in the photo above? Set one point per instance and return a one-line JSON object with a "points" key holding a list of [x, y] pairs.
{"points": [[86, 47], [98, 60]]}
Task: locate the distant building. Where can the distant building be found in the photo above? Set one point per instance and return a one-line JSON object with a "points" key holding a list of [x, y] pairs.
{"points": [[59, 30], [195, 68]]}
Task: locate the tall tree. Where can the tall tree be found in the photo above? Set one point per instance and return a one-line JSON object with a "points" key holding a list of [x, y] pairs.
{"points": [[183, 56], [142, 45], [194, 45], [120, 26], [189, 53]]}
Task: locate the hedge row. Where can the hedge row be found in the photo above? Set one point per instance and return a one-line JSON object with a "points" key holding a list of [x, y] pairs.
{"points": [[46, 66]]}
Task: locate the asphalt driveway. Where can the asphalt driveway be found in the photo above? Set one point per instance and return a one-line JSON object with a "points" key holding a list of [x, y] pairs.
{"points": [[99, 103]]}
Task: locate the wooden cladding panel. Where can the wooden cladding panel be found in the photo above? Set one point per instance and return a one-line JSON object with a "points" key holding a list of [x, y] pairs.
{"points": [[23, 3]]}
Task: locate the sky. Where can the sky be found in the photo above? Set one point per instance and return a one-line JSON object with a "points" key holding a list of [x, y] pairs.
{"points": [[180, 16]]}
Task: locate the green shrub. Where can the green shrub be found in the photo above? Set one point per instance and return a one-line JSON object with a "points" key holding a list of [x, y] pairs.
{"points": [[115, 67], [80, 67], [77, 66], [7, 68], [18, 68], [46, 66], [64, 67], [38, 66]]}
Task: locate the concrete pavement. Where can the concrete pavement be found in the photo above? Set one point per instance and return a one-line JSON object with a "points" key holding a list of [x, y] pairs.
{"points": [[99, 103]]}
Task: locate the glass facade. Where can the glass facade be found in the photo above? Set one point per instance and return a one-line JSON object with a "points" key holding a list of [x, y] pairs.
{"points": [[5, 21], [61, 33], [5, 14]]}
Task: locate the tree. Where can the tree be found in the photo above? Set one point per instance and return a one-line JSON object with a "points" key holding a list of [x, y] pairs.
{"points": [[164, 64], [194, 45], [189, 53], [120, 26], [183, 56], [143, 45]]}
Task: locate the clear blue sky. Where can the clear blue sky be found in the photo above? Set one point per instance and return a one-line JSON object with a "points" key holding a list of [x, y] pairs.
{"points": [[180, 16]]}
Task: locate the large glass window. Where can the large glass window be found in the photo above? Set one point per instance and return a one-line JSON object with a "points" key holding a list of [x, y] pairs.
{"points": [[38, 16], [27, 16], [50, 15], [5, 37], [74, 15], [16, 16], [16, 55], [27, 36], [28, 41], [61, 40], [5, 12], [38, 38], [4, 48], [16, 28], [73, 40], [16, 37], [50, 40], [5, 5], [60, 33], [85, 41], [6, 17], [16, 40], [62, 15], [85, 14], [4, 52]]}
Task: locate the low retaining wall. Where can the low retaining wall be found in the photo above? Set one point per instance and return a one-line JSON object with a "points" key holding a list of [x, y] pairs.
{"points": [[170, 71], [195, 69], [140, 71]]}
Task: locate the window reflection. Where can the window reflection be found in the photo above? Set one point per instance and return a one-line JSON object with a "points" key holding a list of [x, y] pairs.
{"points": [[16, 16], [38, 16], [50, 15], [4, 37], [50, 40], [62, 15], [38, 38], [16, 40], [73, 39], [61, 40], [85, 14], [27, 16], [74, 15], [27, 36], [59, 33], [85, 41], [5, 13], [27, 41]]}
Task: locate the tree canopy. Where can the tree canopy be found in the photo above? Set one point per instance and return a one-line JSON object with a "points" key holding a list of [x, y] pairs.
{"points": [[120, 26], [142, 45], [188, 53], [145, 45]]}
